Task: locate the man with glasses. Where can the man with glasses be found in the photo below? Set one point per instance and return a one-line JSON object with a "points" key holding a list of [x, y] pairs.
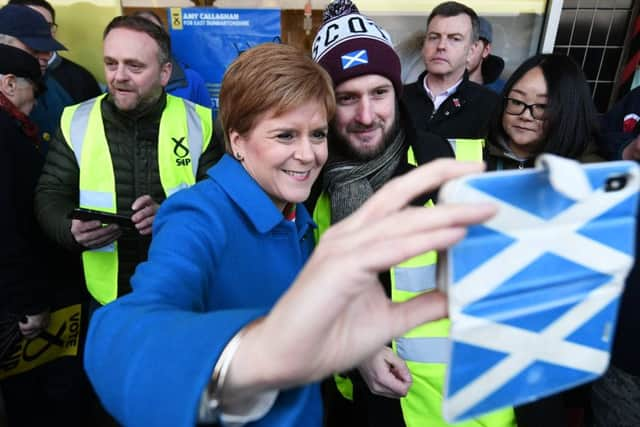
{"points": [[27, 29], [75, 79]]}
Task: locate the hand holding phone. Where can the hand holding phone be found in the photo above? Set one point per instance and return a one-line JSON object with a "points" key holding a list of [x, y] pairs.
{"points": [[90, 236], [104, 217], [545, 273]]}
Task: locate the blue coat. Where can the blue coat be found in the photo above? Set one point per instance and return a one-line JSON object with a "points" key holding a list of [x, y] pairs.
{"points": [[221, 255]]}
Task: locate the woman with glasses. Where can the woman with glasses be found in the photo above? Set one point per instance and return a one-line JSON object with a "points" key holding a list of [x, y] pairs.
{"points": [[546, 108]]}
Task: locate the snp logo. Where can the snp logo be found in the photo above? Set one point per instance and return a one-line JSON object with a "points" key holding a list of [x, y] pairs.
{"points": [[181, 151]]}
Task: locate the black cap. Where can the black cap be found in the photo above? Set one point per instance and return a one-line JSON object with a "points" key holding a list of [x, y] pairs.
{"points": [[29, 27], [21, 64]]}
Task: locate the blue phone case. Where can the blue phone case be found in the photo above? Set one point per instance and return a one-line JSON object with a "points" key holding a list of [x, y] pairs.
{"points": [[534, 292]]}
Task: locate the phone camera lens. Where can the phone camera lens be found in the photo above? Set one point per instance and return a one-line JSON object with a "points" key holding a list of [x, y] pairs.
{"points": [[615, 183]]}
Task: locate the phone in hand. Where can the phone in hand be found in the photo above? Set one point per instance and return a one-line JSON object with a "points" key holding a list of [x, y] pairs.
{"points": [[104, 217], [533, 292]]}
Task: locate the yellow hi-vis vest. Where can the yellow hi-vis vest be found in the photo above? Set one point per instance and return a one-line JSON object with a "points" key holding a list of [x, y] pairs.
{"points": [[83, 130], [424, 348]]}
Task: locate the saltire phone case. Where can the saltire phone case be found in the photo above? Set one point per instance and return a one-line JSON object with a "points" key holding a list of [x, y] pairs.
{"points": [[534, 292]]}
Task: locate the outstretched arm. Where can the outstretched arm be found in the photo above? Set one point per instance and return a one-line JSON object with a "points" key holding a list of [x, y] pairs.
{"points": [[336, 314]]}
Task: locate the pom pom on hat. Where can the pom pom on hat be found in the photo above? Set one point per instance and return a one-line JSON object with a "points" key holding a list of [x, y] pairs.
{"points": [[350, 45], [338, 8]]}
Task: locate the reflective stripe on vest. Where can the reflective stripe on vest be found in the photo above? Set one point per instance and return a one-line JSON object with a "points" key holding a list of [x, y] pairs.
{"points": [[322, 218], [464, 148], [185, 128], [426, 348]]}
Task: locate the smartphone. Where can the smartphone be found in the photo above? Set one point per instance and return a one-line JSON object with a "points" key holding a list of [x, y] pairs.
{"points": [[533, 292], [104, 217]]}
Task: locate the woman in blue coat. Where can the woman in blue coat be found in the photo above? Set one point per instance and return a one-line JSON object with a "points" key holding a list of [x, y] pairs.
{"points": [[199, 338], [232, 243]]}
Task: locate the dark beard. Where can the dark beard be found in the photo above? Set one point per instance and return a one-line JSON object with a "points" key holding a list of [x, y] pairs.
{"points": [[340, 146]]}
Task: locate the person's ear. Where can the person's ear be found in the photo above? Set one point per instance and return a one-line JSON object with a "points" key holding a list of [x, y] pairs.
{"points": [[165, 73], [486, 49], [472, 49], [236, 141], [8, 84]]}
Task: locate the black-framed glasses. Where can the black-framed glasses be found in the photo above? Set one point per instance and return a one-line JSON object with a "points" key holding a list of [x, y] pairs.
{"points": [[516, 107]]}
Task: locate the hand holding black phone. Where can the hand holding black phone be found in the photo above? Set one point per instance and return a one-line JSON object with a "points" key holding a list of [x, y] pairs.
{"points": [[104, 217]]}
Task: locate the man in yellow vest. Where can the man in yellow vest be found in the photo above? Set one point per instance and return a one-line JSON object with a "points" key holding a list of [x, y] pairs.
{"points": [[371, 140], [123, 152]]}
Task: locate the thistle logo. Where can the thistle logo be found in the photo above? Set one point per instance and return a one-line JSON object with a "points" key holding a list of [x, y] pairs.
{"points": [[181, 151], [176, 18]]}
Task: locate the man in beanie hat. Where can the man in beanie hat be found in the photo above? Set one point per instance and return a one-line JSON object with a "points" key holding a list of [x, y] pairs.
{"points": [[371, 140], [484, 67], [443, 100]]}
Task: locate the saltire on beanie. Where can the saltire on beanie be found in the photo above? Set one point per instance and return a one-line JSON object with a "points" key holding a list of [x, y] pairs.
{"points": [[350, 45]]}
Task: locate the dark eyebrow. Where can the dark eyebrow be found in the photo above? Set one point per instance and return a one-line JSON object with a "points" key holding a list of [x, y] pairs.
{"points": [[520, 92], [133, 62], [446, 34], [383, 86]]}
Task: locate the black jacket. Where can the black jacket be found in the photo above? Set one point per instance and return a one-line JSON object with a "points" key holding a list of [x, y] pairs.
{"points": [[465, 114], [133, 143], [616, 134], [76, 80], [23, 253]]}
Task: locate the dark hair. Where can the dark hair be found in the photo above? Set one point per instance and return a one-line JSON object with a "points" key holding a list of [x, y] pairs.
{"points": [[149, 15], [142, 25], [453, 8], [571, 123], [41, 3]]}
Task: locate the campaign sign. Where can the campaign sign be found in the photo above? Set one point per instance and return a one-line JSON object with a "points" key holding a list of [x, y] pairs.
{"points": [[534, 292], [61, 338], [209, 39]]}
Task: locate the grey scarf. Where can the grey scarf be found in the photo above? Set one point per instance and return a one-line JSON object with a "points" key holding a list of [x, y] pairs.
{"points": [[350, 183]]}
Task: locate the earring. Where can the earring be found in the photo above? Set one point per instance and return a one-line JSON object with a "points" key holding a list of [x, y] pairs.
{"points": [[239, 157]]}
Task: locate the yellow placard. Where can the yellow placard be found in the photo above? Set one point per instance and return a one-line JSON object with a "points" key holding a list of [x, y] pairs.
{"points": [[62, 338], [176, 18]]}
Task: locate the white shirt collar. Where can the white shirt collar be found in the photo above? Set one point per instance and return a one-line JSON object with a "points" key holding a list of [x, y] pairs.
{"points": [[439, 99]]}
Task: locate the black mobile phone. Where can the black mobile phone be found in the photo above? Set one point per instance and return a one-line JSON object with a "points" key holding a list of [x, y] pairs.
{"points": [[104, 217]]}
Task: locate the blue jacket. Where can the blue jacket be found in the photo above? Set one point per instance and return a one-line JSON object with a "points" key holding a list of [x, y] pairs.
{"points": [[48, 110], [221, 255], [187, 83]]}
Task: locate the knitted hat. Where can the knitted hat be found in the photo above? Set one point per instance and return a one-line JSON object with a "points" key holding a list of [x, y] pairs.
{"points": [[350, 45]]}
